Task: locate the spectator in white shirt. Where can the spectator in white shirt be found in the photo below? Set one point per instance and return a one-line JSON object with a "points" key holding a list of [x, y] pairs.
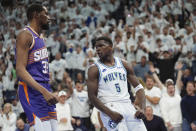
{"points": [[131, 58], [163, 87], [63, 113], [69, 57], [80, 105], [153, 95], [54, 44], [8, 118], [58, 66], [140, 50], [119, 46], [170, 109], [78, 60], [17, 107]]}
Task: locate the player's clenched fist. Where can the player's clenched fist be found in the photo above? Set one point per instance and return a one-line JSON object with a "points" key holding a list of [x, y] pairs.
{"points": [[49, 97], [115, 116], [139, 114]]}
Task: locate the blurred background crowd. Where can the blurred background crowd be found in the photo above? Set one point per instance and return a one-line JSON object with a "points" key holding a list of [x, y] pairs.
{"points": [[157, 37]]}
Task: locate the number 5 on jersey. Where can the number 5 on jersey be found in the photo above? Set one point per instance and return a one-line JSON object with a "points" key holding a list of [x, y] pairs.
{"points": [[118, 87]]}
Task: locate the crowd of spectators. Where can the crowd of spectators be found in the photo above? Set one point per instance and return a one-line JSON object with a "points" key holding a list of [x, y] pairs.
{"points": [[157, 37]]}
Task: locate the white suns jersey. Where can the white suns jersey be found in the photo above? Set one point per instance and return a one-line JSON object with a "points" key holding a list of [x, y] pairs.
{"points": [[112, 84]]}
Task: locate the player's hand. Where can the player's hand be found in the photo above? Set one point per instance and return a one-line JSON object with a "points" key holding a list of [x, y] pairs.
{"points": [[115, 116], [139, 114], [49, 97]]}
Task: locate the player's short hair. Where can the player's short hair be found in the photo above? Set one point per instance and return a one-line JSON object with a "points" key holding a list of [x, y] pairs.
{"points": [[35, 7], [106, 39]]}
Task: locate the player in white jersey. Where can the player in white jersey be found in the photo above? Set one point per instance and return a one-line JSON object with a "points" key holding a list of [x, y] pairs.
{"points": [[108, 91]]}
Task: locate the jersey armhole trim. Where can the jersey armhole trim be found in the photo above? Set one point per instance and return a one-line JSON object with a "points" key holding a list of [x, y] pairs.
{"points": [[33, 43], [122, 65], [99, 71]]}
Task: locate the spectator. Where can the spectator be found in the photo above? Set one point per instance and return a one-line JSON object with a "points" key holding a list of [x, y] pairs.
{"points": [[171, 111], [178, 86], [166, 61], [187, 76], [131, 58], [21, 126], [8, 118], [69, 56], [90, 58], [119, 46], [78, 60], [153, 95], [188, 107], [142, 69], [80, 106], [16, 107], [140, 50], [153, 122], [58, 66], [63, 113]]}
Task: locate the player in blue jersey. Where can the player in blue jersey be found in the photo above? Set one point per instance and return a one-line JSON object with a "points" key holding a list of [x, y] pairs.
{"points": [[108, 91], [32, 69]]}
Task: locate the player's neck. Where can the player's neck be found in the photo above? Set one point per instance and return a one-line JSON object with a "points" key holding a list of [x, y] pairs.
{"points": [[109, 61], [35, 28]]}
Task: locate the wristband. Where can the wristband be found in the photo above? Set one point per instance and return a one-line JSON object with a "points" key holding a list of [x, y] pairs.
{"points": [[137, 88]]}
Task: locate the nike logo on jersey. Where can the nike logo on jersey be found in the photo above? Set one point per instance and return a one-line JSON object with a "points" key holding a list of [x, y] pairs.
{"points": [[114, 76], [103, 70]]}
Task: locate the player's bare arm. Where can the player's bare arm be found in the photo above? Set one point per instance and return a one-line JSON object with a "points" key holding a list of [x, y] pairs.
{"points": [[140, 95], [92, 84], [23, 43]]}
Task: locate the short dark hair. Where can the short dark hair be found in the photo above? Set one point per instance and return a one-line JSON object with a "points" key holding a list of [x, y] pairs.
{"points": [[149, 77], [105, 38], [32, 9], [178, 38]]}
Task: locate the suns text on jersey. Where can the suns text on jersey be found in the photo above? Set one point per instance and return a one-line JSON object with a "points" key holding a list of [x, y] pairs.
{"points": [[40, 54]]}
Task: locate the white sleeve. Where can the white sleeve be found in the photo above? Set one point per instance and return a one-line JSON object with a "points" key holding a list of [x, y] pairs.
{"points": [[163, 107], [11, 121], [157, 92], [58, 113]]}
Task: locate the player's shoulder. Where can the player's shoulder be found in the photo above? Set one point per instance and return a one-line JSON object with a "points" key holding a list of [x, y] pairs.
{"points": [[24, 33], [93, 70], [92, 67]]}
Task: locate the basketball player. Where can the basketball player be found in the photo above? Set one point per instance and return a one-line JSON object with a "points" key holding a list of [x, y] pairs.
{"points": [[32, 69], [108, 91]]}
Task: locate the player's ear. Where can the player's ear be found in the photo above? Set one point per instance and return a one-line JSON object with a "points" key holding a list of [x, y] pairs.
{"points": [[36, 15]]}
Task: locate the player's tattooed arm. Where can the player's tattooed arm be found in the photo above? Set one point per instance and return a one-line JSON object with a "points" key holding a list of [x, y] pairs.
{"points": [[92, 84]]}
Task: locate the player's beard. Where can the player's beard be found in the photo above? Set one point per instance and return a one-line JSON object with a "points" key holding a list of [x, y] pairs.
{"points": [[45, 26]]}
